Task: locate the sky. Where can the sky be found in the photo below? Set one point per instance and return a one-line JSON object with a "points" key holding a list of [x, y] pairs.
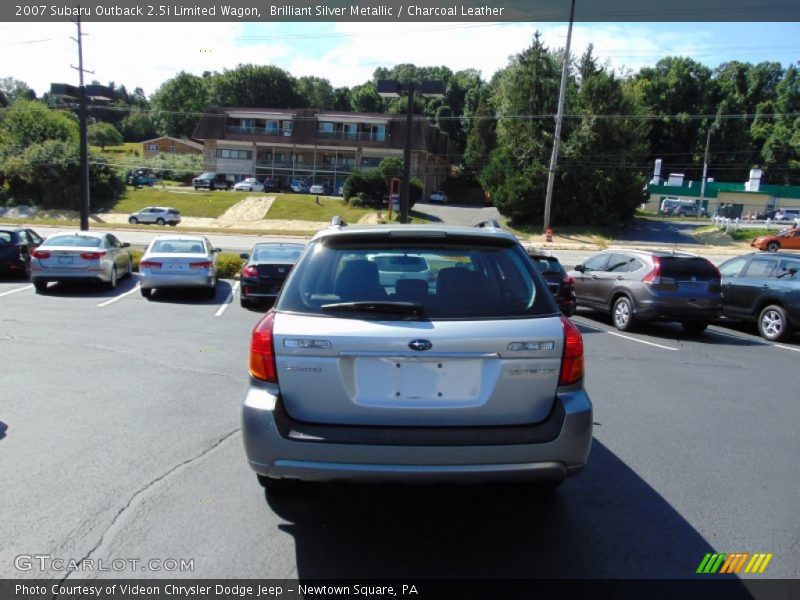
{"points": [[147, 54]]}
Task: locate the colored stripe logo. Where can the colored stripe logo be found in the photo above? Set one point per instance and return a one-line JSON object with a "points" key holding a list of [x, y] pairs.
{"points": [[733, 563]]}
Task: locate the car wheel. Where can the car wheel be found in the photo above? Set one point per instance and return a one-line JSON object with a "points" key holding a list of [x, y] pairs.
{"points": [[773, 324], [146, 292], [26, 270], [129, 272], [40, 287], [694, 327], [245, 303], [112, 283], [773, 246], [197, 188], [211, 187], [173, 224], [160, 221], [133, 221], [278, 486], [622, 314]]}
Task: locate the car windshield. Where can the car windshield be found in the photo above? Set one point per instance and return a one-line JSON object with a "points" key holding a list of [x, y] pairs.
{"points": [[423, 279], [693, 268], [284, 253], [82, 241], [547, 263], [178, 246]]}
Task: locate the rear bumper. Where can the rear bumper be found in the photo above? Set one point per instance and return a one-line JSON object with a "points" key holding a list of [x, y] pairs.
{"points": [[681, 311], [278, 447], [168, 280], [257, 289], [78, 275]]}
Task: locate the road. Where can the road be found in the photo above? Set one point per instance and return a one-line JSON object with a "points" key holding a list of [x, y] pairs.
{"points": [[119, 439]]}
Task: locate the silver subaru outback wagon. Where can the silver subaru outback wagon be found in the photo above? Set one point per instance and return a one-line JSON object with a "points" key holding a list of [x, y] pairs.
{"points": [[468, 374]]}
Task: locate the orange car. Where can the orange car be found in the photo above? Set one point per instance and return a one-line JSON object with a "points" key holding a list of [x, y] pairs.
{"points": [[788, 239]]}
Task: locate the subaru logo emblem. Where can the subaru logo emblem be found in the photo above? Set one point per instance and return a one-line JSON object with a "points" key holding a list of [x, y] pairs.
{"points": [[420, 345]]}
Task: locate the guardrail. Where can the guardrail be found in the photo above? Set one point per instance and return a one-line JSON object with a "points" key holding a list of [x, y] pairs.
{"points": [[737, 224]]}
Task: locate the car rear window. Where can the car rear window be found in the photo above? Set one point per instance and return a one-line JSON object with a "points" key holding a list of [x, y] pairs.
{"points": [[287, 253], [469, 280], [178, 246], [173, 211], [547, 263], [82, 241], [688, 268], [6, 237]]}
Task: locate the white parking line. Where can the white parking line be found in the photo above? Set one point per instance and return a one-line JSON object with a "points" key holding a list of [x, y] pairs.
{"points": [[754, 341], [228, 300], [627, 337], [14, 291], [120, 297]]}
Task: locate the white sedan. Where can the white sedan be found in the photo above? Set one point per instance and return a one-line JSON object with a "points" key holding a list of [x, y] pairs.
{"points": [[251, 184], [185, 261], [437, 196]]}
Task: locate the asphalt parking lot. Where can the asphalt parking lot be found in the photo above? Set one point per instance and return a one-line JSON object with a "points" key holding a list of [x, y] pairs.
{"points": [[119, 439]]}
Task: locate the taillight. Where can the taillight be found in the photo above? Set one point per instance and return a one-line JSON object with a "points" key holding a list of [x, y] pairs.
{"points": [[572, 358], [92, 255], [205, 264], [149, 264], [262, 351], [568, 281], [250, 271], [654, 276], [40, 254]]}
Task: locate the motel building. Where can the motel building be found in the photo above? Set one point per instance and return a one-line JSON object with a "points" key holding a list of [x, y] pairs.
{"points": [[317, 146]]}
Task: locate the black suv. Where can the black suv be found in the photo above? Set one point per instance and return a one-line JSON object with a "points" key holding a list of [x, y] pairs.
{"points": [[764, 288], [561, 285], [212, 181], [634, 285]]}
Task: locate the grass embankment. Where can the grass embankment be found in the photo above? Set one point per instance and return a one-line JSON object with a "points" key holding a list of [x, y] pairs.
{"points": [[189, 202], [304, 207], [134, 148]]}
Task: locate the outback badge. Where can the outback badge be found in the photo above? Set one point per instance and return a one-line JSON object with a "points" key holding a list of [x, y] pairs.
{"points": [[420, 345]]}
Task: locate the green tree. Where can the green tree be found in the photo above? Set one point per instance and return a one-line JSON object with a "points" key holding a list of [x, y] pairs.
{"points": [[103, 134], [315, 92], [254, 86], [137, 127], [13, 89], [178, 104], [29, 122], [365, 98]]}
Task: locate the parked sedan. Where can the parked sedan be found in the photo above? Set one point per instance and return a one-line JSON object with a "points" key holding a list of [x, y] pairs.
{"points": [[300, 187], [16, 246], [438, 196], [267, 267], [186, 261], [251, 184], [788, 239], [764, 288], [158, 215], [635, 285], [561, 285], [91, 256], [318, 189]]}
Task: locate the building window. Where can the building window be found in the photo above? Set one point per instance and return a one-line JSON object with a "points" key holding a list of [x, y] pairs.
{"points": [[235, 154], [172, 149], [153, 147]]}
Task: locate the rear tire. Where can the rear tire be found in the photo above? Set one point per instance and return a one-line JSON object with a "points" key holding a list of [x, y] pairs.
{"points": [[129, 272], [40, 287], [278, 487], [245, 303], [112, 283], [694, 327], [160, 221], [133, 221], [773, 247], [773, 323], [146, 292], [622, 314]]}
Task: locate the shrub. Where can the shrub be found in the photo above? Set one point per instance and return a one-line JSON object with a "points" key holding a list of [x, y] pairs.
{"points": [[229, 266], [136, 257]]}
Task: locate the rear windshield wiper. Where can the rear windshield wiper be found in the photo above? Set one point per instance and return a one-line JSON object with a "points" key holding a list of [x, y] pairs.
{"points": [[379, 307]]}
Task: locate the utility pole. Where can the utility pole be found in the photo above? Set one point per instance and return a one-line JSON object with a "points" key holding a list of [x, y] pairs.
{"points": [[705, 170], [551, 174], [82, 117]]}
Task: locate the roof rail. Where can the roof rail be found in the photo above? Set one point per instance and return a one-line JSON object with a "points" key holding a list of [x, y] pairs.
{"points": [[338, 221], [489, 223]]}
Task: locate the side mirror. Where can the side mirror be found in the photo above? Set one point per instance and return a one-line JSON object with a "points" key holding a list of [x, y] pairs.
{"points": [[244, 255], [217, 250], [580, 268], [126, 244]]}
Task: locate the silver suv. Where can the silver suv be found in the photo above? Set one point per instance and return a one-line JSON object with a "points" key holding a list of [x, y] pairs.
{"points": [[159, 215], [474, 375]]}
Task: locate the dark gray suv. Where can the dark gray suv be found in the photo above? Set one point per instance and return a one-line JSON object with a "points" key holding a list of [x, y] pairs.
{"points": [[636, 286], [470, 373]]}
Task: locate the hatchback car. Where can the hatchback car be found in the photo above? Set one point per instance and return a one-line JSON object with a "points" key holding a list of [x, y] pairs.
{"points": [[251, 184], [267, 267], [637, 286], [561, 285], [16, 246], [90, 256], [158, 215], [186, 261], [764, 288], [788, 239], [479, 378]]}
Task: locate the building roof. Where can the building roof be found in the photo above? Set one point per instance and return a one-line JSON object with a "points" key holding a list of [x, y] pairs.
{"points": [[190, 143]]}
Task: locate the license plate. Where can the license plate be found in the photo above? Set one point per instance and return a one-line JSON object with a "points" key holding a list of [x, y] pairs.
{"points": [[177, 267], [65, 260]]}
